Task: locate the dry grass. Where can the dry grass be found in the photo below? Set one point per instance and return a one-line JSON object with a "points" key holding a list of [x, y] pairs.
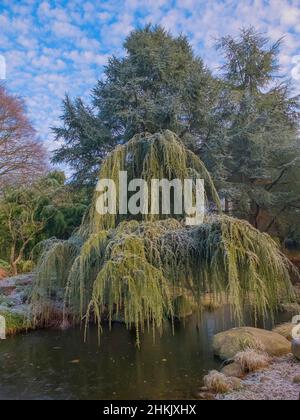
{"points": [[217, 382], [285, 330], [272, 384], [247, 341], [251, 360]]}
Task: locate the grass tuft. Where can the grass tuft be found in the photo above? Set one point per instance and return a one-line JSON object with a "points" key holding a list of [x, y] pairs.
{"points": [[217, 382], [251, 360]]}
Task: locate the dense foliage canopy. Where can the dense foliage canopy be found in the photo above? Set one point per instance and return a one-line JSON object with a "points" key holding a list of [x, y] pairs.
{"points": [[144, 271], [31, 213], [159, 84], [244, 124]]}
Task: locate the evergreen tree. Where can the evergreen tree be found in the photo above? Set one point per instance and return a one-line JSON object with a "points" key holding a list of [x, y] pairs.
{"points": [[262, 141], [159, 84], [86, 141], [28, 214]]}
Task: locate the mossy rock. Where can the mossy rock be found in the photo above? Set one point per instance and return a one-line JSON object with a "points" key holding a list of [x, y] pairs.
{"points": [[227, 344]]}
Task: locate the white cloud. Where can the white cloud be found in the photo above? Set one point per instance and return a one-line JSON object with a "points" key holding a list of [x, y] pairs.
{"points": [[51, 49], [290, 15], [66, 30], [85, 58]]}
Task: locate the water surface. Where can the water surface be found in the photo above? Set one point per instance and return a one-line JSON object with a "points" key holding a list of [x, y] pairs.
{"points": [[59, 365]]}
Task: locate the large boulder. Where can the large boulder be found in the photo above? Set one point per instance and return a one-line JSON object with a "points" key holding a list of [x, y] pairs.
{"points": [[285, 330], [227, 344]]}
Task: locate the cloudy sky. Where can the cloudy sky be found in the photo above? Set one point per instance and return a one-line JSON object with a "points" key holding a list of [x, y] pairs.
{"points": [[59, 46]]}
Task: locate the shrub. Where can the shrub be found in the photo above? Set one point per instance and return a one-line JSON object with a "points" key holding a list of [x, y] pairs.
{"points": [[15, 322], [4, 265], [25, 267]]}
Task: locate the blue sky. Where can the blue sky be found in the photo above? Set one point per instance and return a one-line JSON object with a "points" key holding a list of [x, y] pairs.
{"points": [[54, 47]]}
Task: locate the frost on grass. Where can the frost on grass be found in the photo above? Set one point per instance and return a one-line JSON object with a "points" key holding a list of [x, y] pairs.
{"points": [[136, 269], [275, 383], [217, 382], [252, 360]]}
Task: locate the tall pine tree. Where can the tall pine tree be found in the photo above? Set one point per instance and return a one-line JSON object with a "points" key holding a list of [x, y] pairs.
{"points": [[262, 140], [159, 84]]}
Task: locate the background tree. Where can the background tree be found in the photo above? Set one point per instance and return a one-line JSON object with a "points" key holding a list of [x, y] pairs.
{"points": [[22, 157], [159, 84], [262, 142], [31, 213], [19, 222], [244, 125]]}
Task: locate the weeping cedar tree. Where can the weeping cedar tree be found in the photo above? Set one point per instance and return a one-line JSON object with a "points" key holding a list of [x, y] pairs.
{"points": [[146, 270], [159, 84], [243, 126], [262, 138]]}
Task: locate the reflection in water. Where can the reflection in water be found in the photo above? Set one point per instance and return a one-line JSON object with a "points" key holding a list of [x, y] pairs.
{"points": [[59, 365]]}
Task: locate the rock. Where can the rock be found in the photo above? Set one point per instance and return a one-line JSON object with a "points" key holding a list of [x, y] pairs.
{"points": [[264, 380], [285, 330], [236, 384], [296, 347], [233, 370], [227, 344], [10, 284], [296, 380]]}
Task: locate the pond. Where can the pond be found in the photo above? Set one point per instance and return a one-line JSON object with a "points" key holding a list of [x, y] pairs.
{"points": [[59, 365]]}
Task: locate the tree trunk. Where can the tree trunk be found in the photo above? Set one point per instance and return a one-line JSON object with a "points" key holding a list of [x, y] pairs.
{"points": [[13, 265], [14, 268], [14, 260], [255, 214]]}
